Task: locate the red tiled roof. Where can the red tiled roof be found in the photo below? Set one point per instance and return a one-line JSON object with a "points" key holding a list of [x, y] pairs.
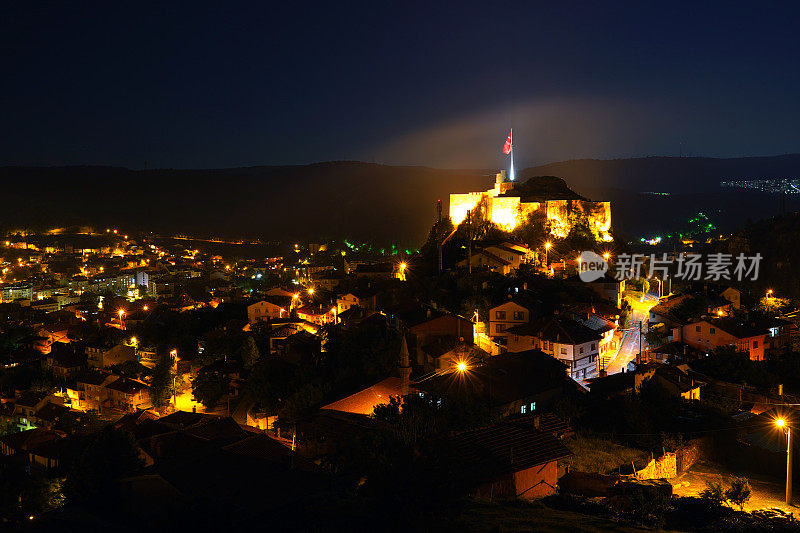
{"points": [[365, 401], [507, 448]]}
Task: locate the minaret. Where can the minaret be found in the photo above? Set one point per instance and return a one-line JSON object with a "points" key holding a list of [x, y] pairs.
{"points": [[405, 367]]}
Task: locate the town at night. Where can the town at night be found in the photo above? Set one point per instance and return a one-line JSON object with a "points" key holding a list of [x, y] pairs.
{"points": [[400, 267]]}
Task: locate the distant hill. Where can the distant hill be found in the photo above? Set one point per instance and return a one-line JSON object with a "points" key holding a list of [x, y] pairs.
{"points": [[540, 188], [325, 200], [389, 204]]}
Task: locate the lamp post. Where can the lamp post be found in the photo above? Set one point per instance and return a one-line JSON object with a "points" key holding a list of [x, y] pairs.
{"points": [[547, 246], [781, 423]]}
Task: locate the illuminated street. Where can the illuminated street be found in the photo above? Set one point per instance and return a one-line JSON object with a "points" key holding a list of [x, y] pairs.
{"points": [[767, 493], [629, 341]]}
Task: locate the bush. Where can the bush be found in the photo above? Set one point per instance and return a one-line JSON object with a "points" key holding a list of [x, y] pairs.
{"points": [[739, 492], [713, 493]]}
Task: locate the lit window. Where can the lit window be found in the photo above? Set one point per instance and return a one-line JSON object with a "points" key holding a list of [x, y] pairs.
{"points": [[522, 409]]}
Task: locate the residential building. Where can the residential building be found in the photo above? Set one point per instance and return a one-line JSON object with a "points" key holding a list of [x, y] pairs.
{"points": [[710, 334], [317, 314], [101, 356], [734, 296], [608, 287], [365, 298], [511, 459], [505, 316], [265, 310], [674, 379], [509, 383], [423, 324], [572, 343]]}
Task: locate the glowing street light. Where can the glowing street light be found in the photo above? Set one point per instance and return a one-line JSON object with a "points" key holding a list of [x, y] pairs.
{"points": [[547, 246], [606, 256], [781, 423], [311, 291], [120, 313], [461, 366], [769, 293]]}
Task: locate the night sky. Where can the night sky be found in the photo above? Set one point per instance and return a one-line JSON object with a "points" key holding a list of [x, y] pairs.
{"points": [[206, 85]]}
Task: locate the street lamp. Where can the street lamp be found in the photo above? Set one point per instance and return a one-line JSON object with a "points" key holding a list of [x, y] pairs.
{"points": [[769, 293], [461, 366], [781, 423], [547, 246]]}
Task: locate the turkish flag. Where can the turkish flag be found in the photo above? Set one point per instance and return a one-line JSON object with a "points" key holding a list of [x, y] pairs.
{"points": [[507, 145]]}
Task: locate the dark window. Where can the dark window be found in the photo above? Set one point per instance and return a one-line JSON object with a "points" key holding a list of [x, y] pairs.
{"points": [[500, 315], [713, 330], [755, 344], [697, 328], [519, 315]]}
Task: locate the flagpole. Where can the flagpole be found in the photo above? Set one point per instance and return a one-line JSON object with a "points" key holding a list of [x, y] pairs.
{"points": [[512, 153]]}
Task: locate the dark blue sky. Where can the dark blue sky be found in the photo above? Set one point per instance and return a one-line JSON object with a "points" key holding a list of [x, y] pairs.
{"points": [[198, 84]]}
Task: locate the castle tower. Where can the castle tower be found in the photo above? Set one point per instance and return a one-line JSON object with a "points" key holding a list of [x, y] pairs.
{"points": [[405, 367], [501, 183]]}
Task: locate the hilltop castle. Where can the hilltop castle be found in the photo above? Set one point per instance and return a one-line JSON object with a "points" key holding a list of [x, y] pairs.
{"points": [[509, 204]]}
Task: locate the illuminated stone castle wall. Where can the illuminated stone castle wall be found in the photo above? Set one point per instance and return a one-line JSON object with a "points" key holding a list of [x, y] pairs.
{"points": [[507, 212]]}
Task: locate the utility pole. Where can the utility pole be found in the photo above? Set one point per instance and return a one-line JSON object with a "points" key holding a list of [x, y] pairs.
{"points": [[788, 465], [639, 360]]}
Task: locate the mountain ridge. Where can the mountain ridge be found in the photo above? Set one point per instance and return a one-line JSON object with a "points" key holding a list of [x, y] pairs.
{"points": [[361, 200]]}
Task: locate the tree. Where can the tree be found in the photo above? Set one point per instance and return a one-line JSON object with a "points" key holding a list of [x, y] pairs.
{"points": [[108, 456], [209, 387], [773, 305], [90, 298], [713, 493], [739, 492], [249, 352], [271, 381], [161, 387], [24, 494], [655, 336]]}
